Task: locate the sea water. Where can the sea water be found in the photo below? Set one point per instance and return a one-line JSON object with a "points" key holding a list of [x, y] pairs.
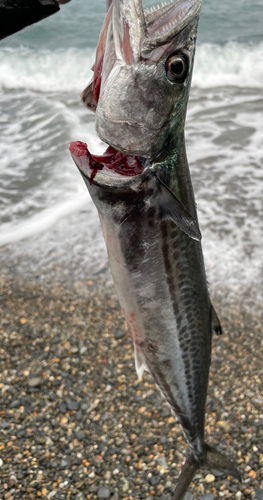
{"points": [[47, 216]]}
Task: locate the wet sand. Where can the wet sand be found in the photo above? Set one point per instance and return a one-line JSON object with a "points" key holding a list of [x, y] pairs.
{"points": [[75, 421]]}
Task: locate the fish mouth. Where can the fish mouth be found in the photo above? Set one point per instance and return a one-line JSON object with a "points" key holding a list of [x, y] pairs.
{"points": [[113, 164], [165, 22]]}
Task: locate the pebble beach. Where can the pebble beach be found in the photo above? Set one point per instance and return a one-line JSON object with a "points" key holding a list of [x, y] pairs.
{"points": [[77, 423], [75, 420]]}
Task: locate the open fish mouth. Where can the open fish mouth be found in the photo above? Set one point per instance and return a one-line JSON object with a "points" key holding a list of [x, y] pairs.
{"points": [[164, 22], [112, 163]]}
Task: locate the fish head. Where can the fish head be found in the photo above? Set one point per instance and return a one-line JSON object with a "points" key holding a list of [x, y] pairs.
{"points": [[139, 93], [142, 75]]}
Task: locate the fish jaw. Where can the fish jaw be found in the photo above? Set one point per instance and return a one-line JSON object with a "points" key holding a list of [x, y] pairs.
{"points": [[111, 167], [129, 29], [165, 23]]}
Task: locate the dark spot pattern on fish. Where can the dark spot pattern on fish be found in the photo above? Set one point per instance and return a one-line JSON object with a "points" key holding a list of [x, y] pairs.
{"points": [[132, 258], [169, 393], [187, 321], [151, 212]]}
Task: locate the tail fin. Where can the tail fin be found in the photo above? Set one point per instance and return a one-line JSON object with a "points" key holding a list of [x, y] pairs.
{"points": [[217, 461], [189, 469], [213, 459]]}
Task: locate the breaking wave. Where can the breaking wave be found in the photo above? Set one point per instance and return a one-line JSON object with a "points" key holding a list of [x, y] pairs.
{"points": [[43, 220], [46, 71], [233, 64], [69, 70]]}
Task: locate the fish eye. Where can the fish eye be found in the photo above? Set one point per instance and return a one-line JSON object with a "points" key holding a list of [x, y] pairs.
{"points": [[177, 68]]}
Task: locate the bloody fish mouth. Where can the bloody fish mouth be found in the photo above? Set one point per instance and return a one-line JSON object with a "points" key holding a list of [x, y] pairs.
{"points": [[112, 162]]}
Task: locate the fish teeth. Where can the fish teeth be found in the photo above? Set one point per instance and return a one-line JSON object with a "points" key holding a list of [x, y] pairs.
{"points": [[158, 6], [180, 16]]}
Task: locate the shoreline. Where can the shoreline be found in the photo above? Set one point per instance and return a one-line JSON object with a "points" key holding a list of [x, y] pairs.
{"points": [[77, 423]]}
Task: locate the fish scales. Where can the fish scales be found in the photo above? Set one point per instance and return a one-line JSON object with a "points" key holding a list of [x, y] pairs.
{"points": [[166, 304], [142, 189]]}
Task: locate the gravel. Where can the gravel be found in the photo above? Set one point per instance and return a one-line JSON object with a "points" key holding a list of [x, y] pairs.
{"points": [[208, 496], [75, 421], [104, 492]]}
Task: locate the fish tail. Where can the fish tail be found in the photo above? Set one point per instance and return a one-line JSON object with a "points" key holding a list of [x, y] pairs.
{"points": [[213, 459], [189, 469], [216, 460]]}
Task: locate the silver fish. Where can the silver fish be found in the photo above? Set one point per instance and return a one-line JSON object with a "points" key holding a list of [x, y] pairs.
{"points": [[142, 189]]}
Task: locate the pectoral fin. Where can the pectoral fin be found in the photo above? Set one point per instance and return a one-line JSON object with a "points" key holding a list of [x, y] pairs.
{"points": [[172, 209]]}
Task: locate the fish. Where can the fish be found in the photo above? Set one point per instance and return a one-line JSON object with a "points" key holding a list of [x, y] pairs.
{"points": [[142, 190]]}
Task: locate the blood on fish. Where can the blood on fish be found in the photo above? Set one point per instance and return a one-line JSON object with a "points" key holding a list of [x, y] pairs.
{"points": [[80, 149], [112, 159]]}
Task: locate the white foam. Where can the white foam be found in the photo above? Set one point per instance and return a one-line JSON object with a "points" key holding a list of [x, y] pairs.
{"points": [[68, 70], [43, 220], [232, 64], [36, 168], [224, 148]]}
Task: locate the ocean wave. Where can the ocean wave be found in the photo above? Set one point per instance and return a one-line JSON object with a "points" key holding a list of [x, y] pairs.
{"points": [[43, 220], [46, 71], [233, 64]]}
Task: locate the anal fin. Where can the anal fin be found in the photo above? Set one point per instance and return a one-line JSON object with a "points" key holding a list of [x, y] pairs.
{"points": [[218, 461]]}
